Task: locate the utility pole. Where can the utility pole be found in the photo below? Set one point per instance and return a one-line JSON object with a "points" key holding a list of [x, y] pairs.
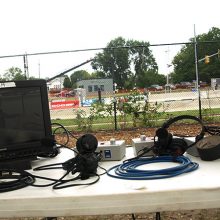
{"points": [[197, 74], [167, 86], [26, 72], [168, 65], [39, 69]]}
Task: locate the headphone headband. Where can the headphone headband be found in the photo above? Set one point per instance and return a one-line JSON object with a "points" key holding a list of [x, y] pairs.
{"points": [[182, 117], [166, 144]]}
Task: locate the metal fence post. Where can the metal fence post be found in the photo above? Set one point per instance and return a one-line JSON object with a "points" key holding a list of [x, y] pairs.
{"points": [[115, 113], [99, 95]]}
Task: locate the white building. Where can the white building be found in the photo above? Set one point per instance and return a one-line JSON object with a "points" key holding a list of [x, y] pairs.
{"points": [[56, 84], [93, 85]]}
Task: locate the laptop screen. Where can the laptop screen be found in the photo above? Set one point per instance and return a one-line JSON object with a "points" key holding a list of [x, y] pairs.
{"points": [[25, 125], [21, 115]]}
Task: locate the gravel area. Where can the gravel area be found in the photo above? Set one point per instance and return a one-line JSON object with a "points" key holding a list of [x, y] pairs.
{"points": [[210, 214]]}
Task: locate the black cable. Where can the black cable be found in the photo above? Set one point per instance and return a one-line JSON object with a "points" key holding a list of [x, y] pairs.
{"points": [[142, 152], [64, 146], [61, 185], [49, 167], [73, 166], [213, 130], [56, 165], [54, 181], [68, 133], [19, 179], [85, 163], [65, 131], [72, 135], [105, 48], [102, 169]]}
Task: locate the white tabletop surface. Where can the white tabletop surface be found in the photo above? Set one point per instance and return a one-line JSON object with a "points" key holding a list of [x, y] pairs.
{"points": [[196, 190]]}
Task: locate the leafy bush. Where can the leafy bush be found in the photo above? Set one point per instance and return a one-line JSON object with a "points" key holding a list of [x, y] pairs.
{"points": [[133, 108]]}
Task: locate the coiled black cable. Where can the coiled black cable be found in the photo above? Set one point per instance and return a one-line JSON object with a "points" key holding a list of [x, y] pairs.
{"points": [[11, 179]]}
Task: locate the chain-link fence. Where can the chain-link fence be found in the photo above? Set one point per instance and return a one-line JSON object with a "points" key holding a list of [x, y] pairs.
{"points": [[135, 109]]}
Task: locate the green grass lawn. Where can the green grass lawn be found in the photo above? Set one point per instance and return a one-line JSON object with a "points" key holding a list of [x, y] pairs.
{"points": [[108, 123]]}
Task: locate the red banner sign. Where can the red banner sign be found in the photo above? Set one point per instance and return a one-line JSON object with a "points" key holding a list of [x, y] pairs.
{"points": [[64, 104]]}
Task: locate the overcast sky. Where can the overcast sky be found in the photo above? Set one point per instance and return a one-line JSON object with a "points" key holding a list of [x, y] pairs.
{"points": [[31, 26]]}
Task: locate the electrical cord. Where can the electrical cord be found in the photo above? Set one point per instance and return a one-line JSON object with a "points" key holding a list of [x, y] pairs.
{"points": [[72, 166], [85, 164], [129, 169], [212, 130], [65, 131], [62, 185], [11, 179], [21, 179]]}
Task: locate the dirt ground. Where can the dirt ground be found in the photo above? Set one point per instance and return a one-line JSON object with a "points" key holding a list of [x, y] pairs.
{"points": [[209, 214], [129, 134]]}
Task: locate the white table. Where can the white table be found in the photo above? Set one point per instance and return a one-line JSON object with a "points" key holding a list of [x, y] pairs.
{"points": [[196, 190]]}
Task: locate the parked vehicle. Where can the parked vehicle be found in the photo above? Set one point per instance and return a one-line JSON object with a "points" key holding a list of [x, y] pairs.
{"points": [[66, 93], [184, 85], [171, 86], [203, 84], [155, 88]]}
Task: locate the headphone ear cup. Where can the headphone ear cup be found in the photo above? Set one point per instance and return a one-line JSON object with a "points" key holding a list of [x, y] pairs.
{"points": [[164, 137], [178, 147], [86, 144]]}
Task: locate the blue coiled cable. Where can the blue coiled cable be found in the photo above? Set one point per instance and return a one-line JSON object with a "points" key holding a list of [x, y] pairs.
{"points": [[129, 169]]}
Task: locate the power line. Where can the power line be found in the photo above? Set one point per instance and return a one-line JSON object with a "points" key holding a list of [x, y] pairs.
{"points": [[105, 48]]}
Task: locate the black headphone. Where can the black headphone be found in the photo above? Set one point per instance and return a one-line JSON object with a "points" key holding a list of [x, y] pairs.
{"points": [[86, 161], [165, 144], [87, 143]]}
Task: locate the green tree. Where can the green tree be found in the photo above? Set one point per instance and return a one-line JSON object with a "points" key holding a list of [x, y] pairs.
{"points": [[97, 74], [13, 73], [114, 61], [150, 77], [67, 83], [78, 75], [144, 63], [184, 61], [127, 62]]}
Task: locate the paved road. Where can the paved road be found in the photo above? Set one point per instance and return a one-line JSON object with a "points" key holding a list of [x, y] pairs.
{"points": [[183, 96], [170, 102]]}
